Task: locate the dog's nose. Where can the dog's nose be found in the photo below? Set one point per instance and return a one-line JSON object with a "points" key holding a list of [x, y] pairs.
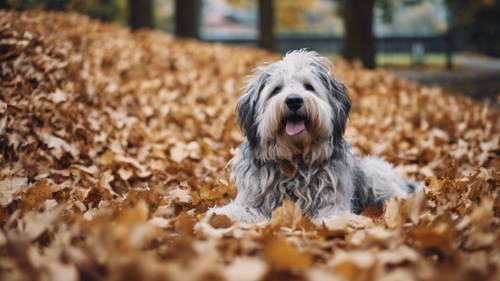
{"points": [[294, 102]]}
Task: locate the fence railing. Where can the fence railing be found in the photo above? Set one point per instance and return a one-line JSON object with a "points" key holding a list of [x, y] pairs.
{"points": [[438, 44]]}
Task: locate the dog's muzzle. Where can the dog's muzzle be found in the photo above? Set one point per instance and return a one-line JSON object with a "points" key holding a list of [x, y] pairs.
{"points": [[295, 121], [294, 102]]}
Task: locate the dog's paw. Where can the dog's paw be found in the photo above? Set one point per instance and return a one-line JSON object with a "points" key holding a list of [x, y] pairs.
{"points": [[344, 220], [239, 213]]}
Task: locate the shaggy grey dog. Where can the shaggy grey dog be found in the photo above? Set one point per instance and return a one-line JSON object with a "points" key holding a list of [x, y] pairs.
{"points": [[293, 115]]}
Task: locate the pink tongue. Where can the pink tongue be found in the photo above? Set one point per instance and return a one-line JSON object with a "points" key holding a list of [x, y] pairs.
{"points": [[294, 128]]}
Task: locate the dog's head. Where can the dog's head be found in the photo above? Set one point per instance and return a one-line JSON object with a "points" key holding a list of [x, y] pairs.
{"points": [[294, 107]]}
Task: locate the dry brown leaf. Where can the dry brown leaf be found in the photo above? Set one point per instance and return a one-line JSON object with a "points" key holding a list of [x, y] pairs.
{"points": [[440, 237], [354, 265], [184, 224], [282, 255], [220, 221], [288, 215]]}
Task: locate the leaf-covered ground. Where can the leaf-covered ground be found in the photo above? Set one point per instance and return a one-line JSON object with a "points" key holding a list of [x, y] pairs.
{"points": [[114, 144]]}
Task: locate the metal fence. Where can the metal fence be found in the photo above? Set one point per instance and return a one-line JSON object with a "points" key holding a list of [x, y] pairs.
{"points": [[439, 44]]}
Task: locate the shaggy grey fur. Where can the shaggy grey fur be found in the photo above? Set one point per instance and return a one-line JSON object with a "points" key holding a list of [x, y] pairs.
{"points": [[328, 179]]}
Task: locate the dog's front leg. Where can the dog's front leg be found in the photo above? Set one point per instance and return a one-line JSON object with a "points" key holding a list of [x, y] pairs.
{"points": [[239, 212], [328, 213]]}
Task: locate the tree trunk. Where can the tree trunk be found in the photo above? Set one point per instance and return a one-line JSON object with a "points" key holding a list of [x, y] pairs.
{"points": [[359, 42], [140, 14], [266, 25], [187, 14]]}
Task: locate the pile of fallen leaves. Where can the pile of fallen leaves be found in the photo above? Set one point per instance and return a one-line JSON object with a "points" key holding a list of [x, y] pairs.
{"points": [[114, 144]]}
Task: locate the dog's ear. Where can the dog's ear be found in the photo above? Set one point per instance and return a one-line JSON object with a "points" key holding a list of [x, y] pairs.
{"points": [[341, 104], [246, 108], [337, 97]]}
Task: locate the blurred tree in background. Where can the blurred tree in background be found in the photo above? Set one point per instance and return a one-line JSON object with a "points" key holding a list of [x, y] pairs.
{"points": [[266, 17], [478, 22], [359, 42], [358, 16], [140, 14], [187, 18]]}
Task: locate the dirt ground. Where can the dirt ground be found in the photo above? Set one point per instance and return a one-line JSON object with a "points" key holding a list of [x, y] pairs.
{"points": [[472, 76]]}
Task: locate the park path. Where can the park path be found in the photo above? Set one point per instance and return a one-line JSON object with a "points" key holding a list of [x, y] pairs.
{"points": [[480, 63], [474, 76]]}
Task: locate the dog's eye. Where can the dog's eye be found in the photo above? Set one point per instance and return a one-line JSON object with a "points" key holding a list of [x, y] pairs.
{"points": [[308, 87], [275, 91]]}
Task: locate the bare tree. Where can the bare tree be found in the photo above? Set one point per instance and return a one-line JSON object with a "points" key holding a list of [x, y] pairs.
{"points": [[140, 14], [187, 14], [3, 4], [266, 25], [359, 42]]}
